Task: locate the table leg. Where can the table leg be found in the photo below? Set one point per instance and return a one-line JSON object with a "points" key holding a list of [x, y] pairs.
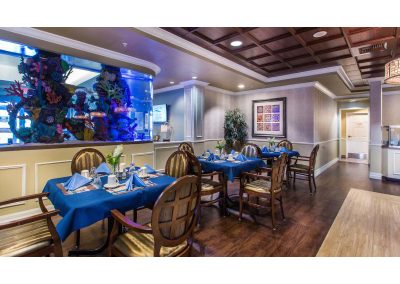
{"points": [[77, 251]]}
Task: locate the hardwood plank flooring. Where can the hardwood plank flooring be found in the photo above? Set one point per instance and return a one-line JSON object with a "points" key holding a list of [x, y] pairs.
{"points": [[308, 219]]}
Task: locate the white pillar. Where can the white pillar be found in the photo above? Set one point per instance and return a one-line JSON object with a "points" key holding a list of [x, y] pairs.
{"points": [[375, 116], [194, 112]]}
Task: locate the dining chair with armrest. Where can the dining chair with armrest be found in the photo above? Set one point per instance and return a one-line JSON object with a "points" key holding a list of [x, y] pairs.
{"points": [[251, 150], [268, 187], [172, 222], [306, 170], [208, 186], [176, 166], [30, 236], [285, 143]]}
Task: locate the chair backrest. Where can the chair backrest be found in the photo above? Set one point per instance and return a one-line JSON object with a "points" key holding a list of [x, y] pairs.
{"points": [[175, 213], [184, 146], [313, 156], [194, 165], [278, 173], [177, 164], [286, 143], [251, 150], [85, 159]]}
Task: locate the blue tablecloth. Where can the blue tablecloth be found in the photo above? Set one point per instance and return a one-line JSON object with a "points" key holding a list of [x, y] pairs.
{"points": [[231, 169], [83, 209], [277, 154]]}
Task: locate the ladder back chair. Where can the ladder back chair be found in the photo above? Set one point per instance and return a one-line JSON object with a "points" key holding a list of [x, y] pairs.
{"points": [[306, 170], [85, 159], [208, 186], [172, 222], [267, 187], [30, 236], [184, 146]]}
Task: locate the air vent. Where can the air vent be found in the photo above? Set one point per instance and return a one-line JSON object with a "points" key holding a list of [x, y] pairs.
{"points": [[373, 48]]}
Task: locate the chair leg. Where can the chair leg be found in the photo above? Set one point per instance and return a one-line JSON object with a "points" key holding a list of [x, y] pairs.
{"points": [[240, 205], [309, 184], [294, 177], [273, 214], [198, 218], [281, 205], [134, 215], [315, 187]]}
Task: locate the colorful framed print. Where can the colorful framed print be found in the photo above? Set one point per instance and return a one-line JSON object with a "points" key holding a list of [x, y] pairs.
{"points": [[269, 118]]}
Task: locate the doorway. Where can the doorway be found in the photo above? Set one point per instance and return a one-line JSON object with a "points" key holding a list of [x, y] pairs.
{"points": [[354, 135]]}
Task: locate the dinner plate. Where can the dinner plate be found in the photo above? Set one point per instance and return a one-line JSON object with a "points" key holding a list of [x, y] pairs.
{"points": [[109, 186], [230, 160]]}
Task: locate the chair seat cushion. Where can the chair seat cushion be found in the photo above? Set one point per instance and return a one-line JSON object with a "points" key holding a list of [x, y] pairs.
{"points": [[300, 167], [259, 185], [20, 240], [133, 243], [209, 184]]}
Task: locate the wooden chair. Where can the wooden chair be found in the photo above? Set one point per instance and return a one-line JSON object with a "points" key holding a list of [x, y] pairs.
{"points": [[184, 146], [172, 222], [208, 186], [268, 187], [177, 164], [285, 143], [307, 171], [85, 159], [30, 236], [251, 150]]}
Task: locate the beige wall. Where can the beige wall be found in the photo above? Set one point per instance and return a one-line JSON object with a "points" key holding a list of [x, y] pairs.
{"points": [[26, 172], [391, 109], [299, 109], [215, 106]]}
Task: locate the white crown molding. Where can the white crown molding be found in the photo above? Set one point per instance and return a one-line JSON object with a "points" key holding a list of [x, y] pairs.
{"points": [[219, 90], [181, 85], [277, 88], [194, 83], [68, 42], [375, 79], [168, 89], [324, 90], [391, 93], [355, 96], [196, 49]]}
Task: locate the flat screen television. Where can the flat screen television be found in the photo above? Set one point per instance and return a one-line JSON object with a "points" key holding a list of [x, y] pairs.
{"points": [[160, 113]]}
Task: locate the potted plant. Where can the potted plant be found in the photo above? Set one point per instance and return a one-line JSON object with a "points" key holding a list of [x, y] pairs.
{"points": [[271, 143], [235, 129], [113, 159], [220, 146]]}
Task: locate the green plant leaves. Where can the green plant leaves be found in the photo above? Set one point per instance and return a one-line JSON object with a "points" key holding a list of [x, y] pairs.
{"points": [[235, 129]]}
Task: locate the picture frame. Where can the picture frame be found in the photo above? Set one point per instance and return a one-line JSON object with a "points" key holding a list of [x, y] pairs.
{"points": [[269, 118]]}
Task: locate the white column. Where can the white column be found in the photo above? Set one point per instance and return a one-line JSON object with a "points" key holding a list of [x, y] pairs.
{"points": [[375, 116], [194, 112]]}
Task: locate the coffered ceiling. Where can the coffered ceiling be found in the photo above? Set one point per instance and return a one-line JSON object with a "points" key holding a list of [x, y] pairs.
{"points": [[362, 52]]}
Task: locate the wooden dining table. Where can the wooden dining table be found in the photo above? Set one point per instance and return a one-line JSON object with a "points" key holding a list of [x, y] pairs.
{"points": [[368, 224]]}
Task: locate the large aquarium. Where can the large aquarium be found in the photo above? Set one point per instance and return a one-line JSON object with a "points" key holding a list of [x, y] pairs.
{"points": [[47, 98]]}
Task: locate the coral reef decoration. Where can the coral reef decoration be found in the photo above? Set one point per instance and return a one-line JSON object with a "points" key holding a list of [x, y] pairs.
{"points": [[43, 101], [114, 101]]}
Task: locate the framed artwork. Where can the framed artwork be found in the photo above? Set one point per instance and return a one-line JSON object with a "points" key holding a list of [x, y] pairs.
{"points": [[269, 118]]}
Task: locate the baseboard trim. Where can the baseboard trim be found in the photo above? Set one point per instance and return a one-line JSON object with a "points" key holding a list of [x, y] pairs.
{"points": [[22, 214], [375, 175], [322, 169]]}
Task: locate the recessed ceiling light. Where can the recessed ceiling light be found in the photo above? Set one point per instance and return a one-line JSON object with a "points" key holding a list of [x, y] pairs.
{"points": [[172, 82], [240, 86], [194, 77], [320, 34], [236, 43], [125, 44]]}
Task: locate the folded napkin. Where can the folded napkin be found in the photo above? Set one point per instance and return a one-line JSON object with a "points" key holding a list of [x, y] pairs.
{"points": [[103, 169], [241, 158], [265, 149], [134, 181], [211, 157], [75, 182], [150, 170], [233, 152]]}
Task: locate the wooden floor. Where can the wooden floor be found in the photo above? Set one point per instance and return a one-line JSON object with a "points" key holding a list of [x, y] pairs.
{"points": [[308, 219], [368, 224]]}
